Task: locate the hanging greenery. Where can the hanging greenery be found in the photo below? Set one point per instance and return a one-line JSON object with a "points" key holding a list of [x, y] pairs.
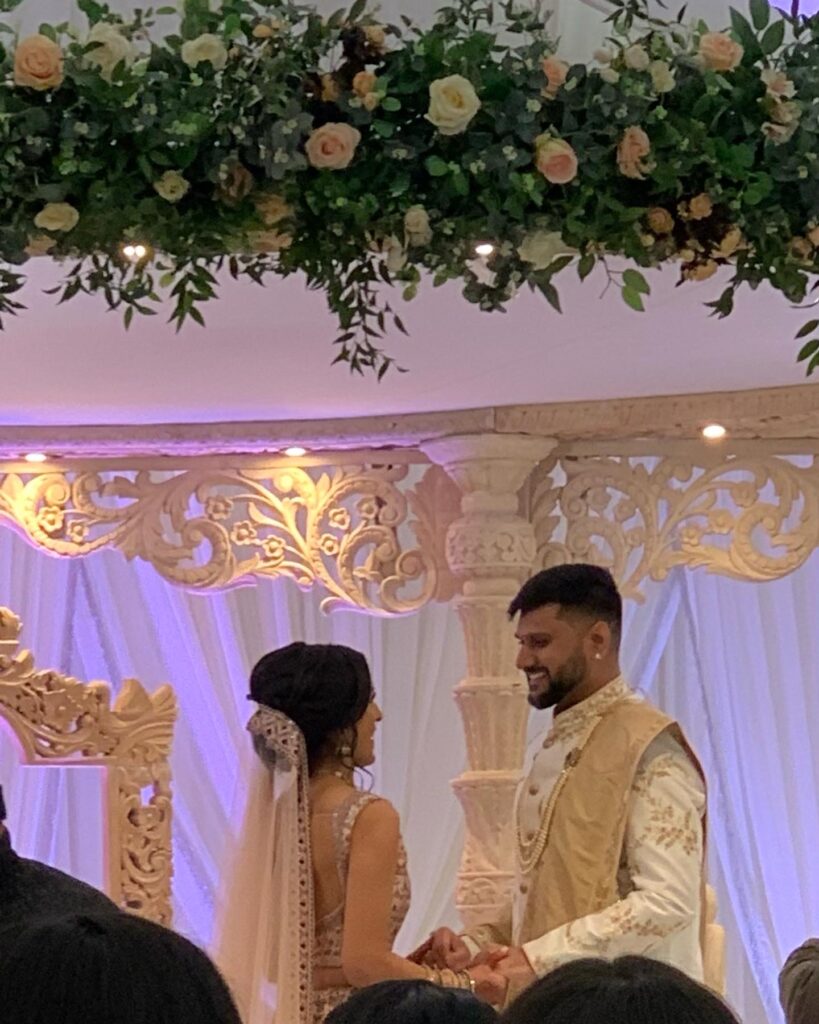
{"points": [[263, 139]]}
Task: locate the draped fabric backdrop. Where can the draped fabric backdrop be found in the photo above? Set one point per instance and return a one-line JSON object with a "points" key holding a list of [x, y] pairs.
{"points": [[735, 662]]}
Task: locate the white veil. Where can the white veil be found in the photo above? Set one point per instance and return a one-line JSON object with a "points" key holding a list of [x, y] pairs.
{"points": [[264, 943]]}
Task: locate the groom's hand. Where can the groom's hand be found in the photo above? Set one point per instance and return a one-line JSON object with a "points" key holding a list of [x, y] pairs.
{"points": [[449, 950]]}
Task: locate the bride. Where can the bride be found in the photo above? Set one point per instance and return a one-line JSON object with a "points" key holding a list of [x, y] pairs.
{"points": [[319, 887]]}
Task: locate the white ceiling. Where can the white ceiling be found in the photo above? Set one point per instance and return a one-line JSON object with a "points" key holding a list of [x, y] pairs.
{"points": [[265, 354]]}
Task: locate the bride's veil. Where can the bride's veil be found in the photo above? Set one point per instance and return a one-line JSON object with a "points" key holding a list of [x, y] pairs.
{"points": [[264, 941]]}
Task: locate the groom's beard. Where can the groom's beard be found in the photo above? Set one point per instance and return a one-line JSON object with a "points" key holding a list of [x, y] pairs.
{"points": [[547, 689]]}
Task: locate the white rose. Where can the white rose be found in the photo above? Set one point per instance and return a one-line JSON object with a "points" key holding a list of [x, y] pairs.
{"points": [[636, 57], [603, 56], [172, 186], [541, 248], [609, 75], [57, 217], [111, 49], [662, 77], [777, 84], [416, 226], [453, 103], [207, 48]]}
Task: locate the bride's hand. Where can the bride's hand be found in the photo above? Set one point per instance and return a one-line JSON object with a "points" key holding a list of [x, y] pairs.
{"points": [[422, 955], [490, 985]]}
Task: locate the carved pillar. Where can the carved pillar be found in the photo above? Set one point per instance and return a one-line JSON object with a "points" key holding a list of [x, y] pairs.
{"points": [[490, 549]]}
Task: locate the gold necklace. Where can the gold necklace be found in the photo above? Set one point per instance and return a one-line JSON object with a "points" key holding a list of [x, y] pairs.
{"points": [[530, 851]]}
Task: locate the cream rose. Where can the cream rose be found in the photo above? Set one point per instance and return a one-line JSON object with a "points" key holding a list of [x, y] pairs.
{"points": [[272, 208], [453, 103], [332, 147], [609, 75], [662, 77], [262, 31], [417, 227], [39, 245], [779, 134], [660, 221], [636, 57], [330, 91], [38, 63], [700, 207], [363, 83], [777, 84], [786, 112], [556, 72], [205, 49], [801, 248], [111, 48], [719, 51], [603, 56], [555, 159], [236, 182], [541, 248], [813, 237], [172, 186], [632, 153], [57, 217], [370, 101]]}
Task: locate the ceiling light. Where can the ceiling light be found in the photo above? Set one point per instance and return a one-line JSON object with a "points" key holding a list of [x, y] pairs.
{"points": [[484, 249], [134, 252], [295, 452], [36, 457], [714, 432]]}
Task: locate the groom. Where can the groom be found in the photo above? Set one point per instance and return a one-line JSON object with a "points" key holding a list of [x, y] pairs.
{"points": [[611, 815]]}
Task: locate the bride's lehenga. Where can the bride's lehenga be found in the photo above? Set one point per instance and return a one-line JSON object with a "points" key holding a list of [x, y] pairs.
{"points": [[330, 929]]}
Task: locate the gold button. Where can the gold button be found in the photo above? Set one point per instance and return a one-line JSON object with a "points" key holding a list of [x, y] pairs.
{"points": [[530, 836], [534, 790], [524, 888]]}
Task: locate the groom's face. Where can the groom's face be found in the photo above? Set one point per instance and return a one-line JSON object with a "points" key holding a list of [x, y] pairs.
{"points": [[551, 654]]}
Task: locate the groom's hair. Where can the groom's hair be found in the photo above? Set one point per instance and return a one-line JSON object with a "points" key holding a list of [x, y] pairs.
{"points": [[578, 588], [411, 1002]]}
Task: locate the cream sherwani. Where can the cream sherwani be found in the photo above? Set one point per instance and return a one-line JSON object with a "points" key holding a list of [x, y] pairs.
{"points": [[661, 861]]}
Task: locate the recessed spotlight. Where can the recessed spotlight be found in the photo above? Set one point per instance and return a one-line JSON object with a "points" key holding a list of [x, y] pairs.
{"points": [[484, 248], [714, 432], [134, 252], [295, 452], [36, 457]]}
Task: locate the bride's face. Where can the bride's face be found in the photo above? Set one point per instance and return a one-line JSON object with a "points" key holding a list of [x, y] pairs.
{"points": [[365, 735]]}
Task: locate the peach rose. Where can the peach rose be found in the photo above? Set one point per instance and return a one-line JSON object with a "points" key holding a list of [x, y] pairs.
{"points": [[813, 237], [801, 248], [779, 134], [632, 151], [376, 37], [556, 72], [272, 208], [38, 63], [555, 159], [660, 221], [332, 147], [731, 242], [719, 51], [700, 207], [57, 217], [236, 182], [700, 271], [363, 83]]}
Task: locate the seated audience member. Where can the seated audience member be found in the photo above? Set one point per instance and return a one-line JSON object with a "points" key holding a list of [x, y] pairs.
{"points": [[799, 984], [411, 1002], [108, 969], [29, 889], [629, 990]]}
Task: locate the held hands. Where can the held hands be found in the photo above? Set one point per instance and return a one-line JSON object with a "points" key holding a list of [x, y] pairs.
{"points": [[490, 984]]}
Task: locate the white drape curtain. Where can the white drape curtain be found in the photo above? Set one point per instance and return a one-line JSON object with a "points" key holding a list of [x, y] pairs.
{"points": [[735, 662]]}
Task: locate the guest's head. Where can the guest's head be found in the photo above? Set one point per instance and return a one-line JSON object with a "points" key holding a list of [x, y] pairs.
{"points": [[631, 990], [568, 632], [799, 984], [95, 969], [411, 1002], [327, 690]]}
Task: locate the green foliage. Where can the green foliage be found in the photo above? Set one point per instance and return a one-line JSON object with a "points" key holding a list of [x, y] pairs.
{"points": [[186, 160]]}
